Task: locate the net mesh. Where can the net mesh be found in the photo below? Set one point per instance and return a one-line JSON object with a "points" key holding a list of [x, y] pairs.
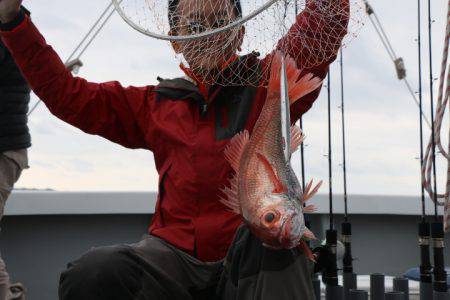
{"points": [[310, 31]]}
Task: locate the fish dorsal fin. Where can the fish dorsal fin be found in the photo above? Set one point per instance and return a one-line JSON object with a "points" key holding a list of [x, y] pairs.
{"points": [[234, 150], [298, 87], [303, 86], [279, 187], [308, 193], [231, 199], [274, 79], [297, 138]]}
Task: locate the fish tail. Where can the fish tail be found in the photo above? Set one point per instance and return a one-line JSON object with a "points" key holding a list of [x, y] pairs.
{"points": [[292, 72]]}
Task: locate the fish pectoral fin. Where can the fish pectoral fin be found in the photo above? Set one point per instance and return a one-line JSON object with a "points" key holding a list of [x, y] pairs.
{"points": [[310, 209], [304, 247], [309, 235], [278, 185], [298, 86], [308, 193], [231, 200], [297, 138], [235, 149]]}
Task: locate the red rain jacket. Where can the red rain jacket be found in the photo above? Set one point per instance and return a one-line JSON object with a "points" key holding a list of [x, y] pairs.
{"points": [[186, 135]]}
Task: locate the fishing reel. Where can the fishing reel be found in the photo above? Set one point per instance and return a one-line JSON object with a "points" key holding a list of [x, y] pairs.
{"points": [[325, 257]]}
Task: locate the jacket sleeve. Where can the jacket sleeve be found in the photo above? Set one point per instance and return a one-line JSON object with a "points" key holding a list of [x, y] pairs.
{"points": [[105, 109], [314, 40]]}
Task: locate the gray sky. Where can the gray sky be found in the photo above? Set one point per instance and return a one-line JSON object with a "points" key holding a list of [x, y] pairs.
{"points": [[382, 121]]}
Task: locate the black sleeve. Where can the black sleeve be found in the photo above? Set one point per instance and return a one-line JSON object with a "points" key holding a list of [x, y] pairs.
{"points": [[15, 22], [10, 26]]}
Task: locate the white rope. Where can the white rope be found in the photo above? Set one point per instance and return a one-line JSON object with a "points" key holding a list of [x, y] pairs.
{"points": [[442, 102]]}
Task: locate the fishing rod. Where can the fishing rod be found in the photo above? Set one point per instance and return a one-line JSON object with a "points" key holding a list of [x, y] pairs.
{"points": [[73, 62], [350, 279], [330, 273], [426, 278]]}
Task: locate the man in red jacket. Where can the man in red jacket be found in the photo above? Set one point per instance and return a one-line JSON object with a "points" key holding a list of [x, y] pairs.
{"points": [[187, 126]]}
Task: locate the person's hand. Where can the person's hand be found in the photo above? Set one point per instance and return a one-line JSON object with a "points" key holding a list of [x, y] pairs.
{"points": [[9, 10]]}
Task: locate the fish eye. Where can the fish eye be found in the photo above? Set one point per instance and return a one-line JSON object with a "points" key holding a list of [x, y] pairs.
{"points": [[269, 217]]}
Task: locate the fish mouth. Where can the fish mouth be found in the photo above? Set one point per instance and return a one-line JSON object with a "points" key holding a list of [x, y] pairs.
{"points": [[286, 239], [285, 234]]}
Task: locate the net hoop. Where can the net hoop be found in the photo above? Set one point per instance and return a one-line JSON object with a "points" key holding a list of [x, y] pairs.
{"points": [[205, 34]]}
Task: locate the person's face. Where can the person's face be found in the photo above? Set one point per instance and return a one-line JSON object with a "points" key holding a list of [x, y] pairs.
{"points": [[209, 54]]}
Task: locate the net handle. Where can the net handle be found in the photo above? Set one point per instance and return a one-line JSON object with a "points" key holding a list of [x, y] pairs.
{"points": [[166, 37]]}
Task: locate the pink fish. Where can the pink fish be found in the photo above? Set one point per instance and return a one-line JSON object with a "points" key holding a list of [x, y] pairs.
{"points": [[265, 189]]}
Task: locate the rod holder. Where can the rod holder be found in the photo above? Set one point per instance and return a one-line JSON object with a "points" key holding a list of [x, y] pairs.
{"points": [[426, 290], [441, 295], [330, 274], [394, 296], [350, 283], [347, 261], [401, 284], [425, 263], [334, 292], [358, 295], [316, 287], [440, 276], [377, 287]]}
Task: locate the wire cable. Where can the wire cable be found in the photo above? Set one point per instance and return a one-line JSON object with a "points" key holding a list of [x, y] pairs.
{"points": [[398, 61], [95, 29]]}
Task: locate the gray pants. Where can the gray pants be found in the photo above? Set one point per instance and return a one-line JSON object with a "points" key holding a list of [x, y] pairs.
{"points": [[154, 269], [11, 165]]}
